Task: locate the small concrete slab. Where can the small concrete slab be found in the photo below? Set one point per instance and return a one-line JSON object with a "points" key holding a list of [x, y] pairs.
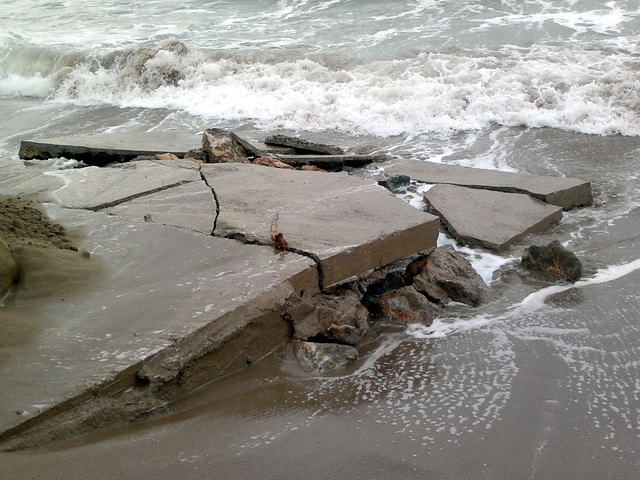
{"points": [[95, 188], [348, 225], [167, 295], [191, 206], [562, 191], [28, 180], [303, 146], [109, 147], [489, 219]]}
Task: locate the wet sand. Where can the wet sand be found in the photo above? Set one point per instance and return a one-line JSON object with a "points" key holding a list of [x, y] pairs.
{"points": [[501, 392]]}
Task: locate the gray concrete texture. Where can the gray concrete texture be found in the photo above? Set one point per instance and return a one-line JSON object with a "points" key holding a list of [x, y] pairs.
{"points": [[562, 191], [160, 286], [349, 225], [489, 219]]}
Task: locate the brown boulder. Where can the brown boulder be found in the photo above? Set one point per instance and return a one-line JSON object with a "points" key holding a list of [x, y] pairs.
{"points": [[406, 305], [446, 274], [321, 357], [272, 162], [341, 319], [312, 168], [221, 146], [553, 261]]}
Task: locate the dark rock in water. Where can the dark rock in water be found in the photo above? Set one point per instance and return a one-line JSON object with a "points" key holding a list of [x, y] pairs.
{"points": [[271, 162], [303, 146], [406, 305], [341, 319], [322, 357], [8, 268], [221, 146], [396, 183], [446, 274], [552, 260]]}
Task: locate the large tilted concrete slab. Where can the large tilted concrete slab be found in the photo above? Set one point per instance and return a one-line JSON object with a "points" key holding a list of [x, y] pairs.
{"points": [[562, 191], [109, 147], [164, 296], [489, 219], [349, 225], [96, 188]]}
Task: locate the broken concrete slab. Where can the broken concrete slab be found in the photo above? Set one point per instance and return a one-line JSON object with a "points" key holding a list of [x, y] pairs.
{"points": [[348, 225], [95, 188], [562, 191], [109, 147], [191, 206], [303, 146], [28, 180], [334, 163], [168, 299], [489, 219]]}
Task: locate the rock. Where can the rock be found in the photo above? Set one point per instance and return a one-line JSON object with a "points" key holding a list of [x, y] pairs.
{"points": [[406, 305], [321, 357], [489, 219], [221, 146], [166, 156], [303, 146], [8, 268], [553, 261], [342, 319], [446, 274], [195, 154], [313, 168], [396, 183], [272, 162]]}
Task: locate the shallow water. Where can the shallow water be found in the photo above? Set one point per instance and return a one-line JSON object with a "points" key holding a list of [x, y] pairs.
{"points": [[535, 384]]}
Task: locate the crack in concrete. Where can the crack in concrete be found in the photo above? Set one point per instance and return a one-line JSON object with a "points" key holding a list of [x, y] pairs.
{"points": [[215, 198], [135, 196], [251, 240]]}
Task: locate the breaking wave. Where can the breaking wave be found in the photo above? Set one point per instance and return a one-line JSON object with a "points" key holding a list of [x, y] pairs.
{"points": [[585, 90]]}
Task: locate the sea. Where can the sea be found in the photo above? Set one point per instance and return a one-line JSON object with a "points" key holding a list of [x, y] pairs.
{"points": [[541, 382]]}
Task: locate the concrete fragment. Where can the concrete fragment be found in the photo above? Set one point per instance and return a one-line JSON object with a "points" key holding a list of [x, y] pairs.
{"points": [[271, 162], [221, 146], [448, 275], [562, 191], [109, 147], [348, 225], [322, 357], [489, 219], [553, 261], [96, 188], [191, 206], [303, 146], [404, 306]]}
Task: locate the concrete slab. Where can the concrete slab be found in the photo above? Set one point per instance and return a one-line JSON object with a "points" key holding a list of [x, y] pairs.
{"points": [[348, 225], [109, 147], [489, 219], [167, 297], [191, 206], [562, 191], [96, 188]]}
